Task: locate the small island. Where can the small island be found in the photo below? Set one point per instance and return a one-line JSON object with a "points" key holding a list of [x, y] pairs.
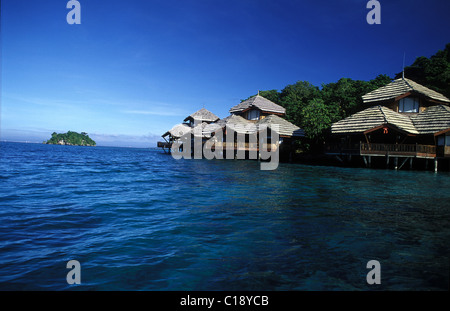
{"points": [[70, 138]]}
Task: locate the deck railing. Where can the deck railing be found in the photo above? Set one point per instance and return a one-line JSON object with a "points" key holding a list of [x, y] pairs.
{"points": [[398, 149], [414, 150], [243, 146]]}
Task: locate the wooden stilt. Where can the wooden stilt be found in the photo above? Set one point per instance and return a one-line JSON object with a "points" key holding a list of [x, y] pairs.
{"points": [[403, 163], [435, 165]]}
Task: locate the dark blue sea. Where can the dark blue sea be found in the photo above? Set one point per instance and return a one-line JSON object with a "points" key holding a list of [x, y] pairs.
{"points": [[137, 219]]}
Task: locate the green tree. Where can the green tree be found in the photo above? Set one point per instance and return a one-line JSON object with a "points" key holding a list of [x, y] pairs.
{"points": [[295, 97], [379, 81], [71, 138], [347, 94], [317, 117], [433, 72]]}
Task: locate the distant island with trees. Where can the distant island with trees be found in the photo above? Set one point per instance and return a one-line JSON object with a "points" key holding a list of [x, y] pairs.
{"points": [[71, 138]]}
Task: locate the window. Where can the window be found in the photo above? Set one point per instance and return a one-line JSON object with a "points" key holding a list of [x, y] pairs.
{"points": [[443, 140], [408, 104], [253, 114]]}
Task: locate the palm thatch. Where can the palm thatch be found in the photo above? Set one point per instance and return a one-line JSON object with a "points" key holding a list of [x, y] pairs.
{"points": [[282, 126], [178, 131], [238, 124], [259, 102], [202, 115], [401, 87], [432, 120], [373, 117]]}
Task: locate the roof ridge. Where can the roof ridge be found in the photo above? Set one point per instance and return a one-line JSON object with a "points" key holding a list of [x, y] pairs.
{"points": [[409, 84], [384, 115], [253, 100]]}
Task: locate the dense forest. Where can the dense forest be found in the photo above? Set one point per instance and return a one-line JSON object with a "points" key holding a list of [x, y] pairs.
{"points": [[71, 138], [314, 108]]}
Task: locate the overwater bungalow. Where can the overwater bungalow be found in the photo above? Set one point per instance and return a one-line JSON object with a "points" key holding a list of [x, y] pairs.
{"points": [[256, 108], [401, 122], [247, 119], [202, 115]]}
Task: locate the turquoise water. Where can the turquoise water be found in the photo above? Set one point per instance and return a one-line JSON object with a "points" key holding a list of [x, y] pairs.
{"points": [[136, 219]]}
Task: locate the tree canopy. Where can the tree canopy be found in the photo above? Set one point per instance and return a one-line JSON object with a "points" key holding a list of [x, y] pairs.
{"points": [[433, 72]]}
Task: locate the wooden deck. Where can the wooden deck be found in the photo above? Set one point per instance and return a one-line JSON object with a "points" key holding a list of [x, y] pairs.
{"points": [[244, 146], [233, 146], [163, 144], [389, 150], [399, 150]]}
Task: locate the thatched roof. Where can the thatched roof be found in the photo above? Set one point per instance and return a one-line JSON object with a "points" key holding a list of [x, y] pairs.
{"points": [[238, 124], [284, 127], [203, 115], [432, 120], [244, 126], [199, 130], [259, 102], [373, 117], [400, 87], [178, 130]]}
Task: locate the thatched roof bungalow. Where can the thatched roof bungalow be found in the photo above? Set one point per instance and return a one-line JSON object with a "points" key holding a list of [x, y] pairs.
{"points": [[247, 118], [202, 115], [405, 95], [404, 119], [256, 108], [178, 131]]}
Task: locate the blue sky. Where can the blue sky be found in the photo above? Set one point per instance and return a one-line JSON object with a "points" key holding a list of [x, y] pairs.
{"points": [[132, 69]]}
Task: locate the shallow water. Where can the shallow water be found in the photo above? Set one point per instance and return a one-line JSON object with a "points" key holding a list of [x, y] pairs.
{"points": [[136, 219]]}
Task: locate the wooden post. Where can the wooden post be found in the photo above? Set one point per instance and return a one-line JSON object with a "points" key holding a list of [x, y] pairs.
{"points": [[387, 161], [411, 163], [396, 163], [403, 163], [435, 165]]}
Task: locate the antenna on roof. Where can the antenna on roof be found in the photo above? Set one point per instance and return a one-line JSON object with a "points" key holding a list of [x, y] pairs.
{"points": [[403, 71]]}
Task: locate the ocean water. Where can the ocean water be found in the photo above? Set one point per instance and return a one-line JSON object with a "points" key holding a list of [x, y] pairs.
{"points": [[136, 219]]}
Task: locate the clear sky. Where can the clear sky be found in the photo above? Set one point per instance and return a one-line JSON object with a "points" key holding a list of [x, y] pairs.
{"points": [[133, 69]]}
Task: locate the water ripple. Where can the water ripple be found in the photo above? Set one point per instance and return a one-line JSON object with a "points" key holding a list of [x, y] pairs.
{"points": [[137, 219]]}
